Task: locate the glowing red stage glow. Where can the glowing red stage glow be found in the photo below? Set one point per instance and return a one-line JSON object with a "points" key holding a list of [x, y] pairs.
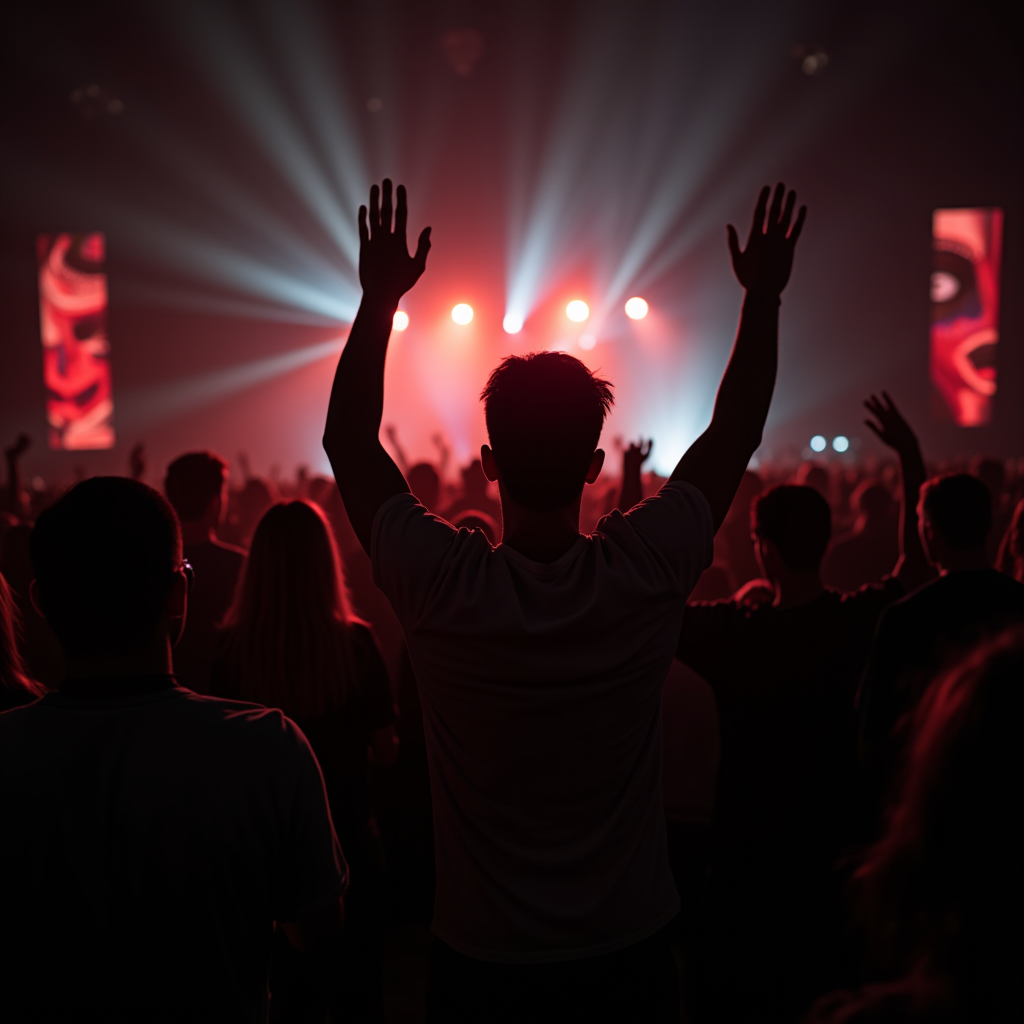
{"points": [[462, 313]]}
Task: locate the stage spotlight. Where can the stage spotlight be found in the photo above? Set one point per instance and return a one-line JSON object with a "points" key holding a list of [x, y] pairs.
{"points": [[462, 313], [577, 311], [513, 323], [818, 443], [840, 443], [636, 308], [587, 341], [400, 320]]}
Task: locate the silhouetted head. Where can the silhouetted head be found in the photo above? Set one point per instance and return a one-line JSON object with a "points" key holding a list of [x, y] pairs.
{"points": [[943, 885], [425, 483], [791, 526], [195, 486], [544, 416], [106, 557], [872, 500], [287, 642], [955, 516]]}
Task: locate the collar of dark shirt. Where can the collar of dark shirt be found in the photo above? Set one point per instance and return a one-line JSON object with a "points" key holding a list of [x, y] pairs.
{"points": [[116, 686]]}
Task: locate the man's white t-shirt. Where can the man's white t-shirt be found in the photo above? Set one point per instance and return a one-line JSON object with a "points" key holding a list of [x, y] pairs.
{"points": [[541, 691]]}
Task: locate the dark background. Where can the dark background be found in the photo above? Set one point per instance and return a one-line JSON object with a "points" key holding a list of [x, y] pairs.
{"points": [[586, 133]]}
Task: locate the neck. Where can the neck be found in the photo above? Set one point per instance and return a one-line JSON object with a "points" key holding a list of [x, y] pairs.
{"points": [[540, 536], [197, 531], [154, 659], [796, 588], [958, 561]]}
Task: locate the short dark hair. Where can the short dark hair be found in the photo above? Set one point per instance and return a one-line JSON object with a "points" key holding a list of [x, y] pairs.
{"points": [[544, 415], [104, 558], [797, 520], [194, 480], [959, 506]]}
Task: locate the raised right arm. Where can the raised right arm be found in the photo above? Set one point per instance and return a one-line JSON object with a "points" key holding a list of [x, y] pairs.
{"points": [[716, 461]]}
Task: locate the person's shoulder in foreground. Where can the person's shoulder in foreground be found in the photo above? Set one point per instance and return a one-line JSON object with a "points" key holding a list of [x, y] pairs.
{"points": [[145, 820]]}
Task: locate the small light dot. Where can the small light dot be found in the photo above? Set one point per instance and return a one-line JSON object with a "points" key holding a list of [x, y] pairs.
{"points": [[840, 443], [818, 443], [401, 320], [512, 324], [636, 308], [462, 313], [577, 311]]}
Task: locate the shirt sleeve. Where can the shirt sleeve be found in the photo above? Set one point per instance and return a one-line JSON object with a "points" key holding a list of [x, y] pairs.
{"points": [[676, 530], [312, 869], [409, 550]]}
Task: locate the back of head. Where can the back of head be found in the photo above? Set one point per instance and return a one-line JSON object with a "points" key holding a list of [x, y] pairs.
{"points": [[287, 646], [873, 500], [544, 416], [104, 558], [959, 507], [945, 880], [193, 481], [798, 521]]}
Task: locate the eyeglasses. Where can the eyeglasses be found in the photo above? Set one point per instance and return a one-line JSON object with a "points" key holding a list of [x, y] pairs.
{"points": [[190, 573]]}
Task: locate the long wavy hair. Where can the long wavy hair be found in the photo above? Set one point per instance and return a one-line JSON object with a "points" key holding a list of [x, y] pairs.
{"points": [[288, 630], [12, 668]]}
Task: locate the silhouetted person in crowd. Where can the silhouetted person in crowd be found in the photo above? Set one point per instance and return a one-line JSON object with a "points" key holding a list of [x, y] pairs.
{"points": [[918, 634], [1010, 559], [292, 643], [196, 485], [867, 552], [785, 675], [474, 494], [540, 662], [940, 893], [154, 835], [16, 686]]}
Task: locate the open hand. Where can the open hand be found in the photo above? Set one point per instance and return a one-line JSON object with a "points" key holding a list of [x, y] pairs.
{"points": [[636, 455], [765, 264], [22, 445], [386, 270], [889, 425]]}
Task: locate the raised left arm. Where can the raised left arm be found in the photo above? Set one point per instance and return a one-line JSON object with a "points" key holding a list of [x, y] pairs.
{"points": [[366, 475]]}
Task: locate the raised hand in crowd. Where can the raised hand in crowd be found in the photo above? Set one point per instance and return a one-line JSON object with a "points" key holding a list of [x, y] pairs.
{"points": [[137, 461], [14, 497], [366, 474], [888, 424], [633, 458], [716, 461]]}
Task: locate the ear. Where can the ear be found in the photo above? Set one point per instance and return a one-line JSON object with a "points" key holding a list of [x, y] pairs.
{"points": [[177, 599], [489, 463], [596, 464]]}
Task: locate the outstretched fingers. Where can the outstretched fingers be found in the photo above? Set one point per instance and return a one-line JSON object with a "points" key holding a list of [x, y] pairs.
{"points": [[422, 248], [776, 210], [757, 224], [374, 210], [787, 213], [798, 226], [364, 231], [386, 207], [401, 213]]}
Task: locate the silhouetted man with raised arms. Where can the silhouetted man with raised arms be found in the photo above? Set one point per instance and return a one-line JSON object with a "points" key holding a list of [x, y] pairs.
{"points": [[540, 662]]}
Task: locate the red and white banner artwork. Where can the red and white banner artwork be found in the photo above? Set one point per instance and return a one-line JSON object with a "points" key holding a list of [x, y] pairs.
{"points": [[76, 350]]}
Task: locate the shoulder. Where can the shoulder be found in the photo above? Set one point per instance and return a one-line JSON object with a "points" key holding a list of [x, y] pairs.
{"points": [[873, 596]]}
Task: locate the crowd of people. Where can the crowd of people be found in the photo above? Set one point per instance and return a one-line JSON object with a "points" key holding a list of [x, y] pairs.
{"points": [[731, 745]]}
